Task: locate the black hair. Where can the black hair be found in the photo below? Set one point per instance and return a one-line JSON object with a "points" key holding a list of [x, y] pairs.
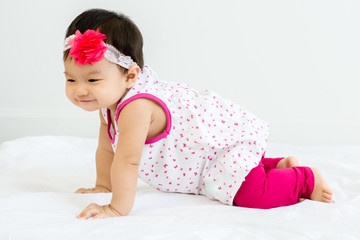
{"points": [[120, 31]]}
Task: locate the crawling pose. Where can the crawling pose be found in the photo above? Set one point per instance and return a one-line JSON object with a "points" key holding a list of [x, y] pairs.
{"points": [[175, 138]]}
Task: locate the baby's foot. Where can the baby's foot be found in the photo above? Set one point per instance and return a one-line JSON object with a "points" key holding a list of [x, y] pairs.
{"points": [[322, 191], [288, 162]]}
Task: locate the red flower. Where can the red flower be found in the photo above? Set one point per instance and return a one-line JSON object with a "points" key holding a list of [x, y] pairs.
{"points": [[88, 47]]}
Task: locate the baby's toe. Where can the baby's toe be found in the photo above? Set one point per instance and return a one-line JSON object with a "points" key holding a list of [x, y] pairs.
{"points": [[327, 197]]}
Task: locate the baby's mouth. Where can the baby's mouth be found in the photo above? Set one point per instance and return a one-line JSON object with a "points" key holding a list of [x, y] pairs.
{"points": [[85, 100]]}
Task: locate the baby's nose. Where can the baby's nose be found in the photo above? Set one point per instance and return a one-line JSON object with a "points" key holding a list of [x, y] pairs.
{"points": [[81, 91]]}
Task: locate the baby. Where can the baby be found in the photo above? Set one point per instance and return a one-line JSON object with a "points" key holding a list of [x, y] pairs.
{"points": [[173, 137]]}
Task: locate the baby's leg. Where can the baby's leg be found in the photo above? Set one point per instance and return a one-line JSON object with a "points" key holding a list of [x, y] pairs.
{"points": [[288, 162], [271, 163], [322, 191], [275, 188]]}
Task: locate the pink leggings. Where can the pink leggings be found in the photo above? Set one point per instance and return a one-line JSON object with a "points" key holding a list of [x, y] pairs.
{"points": [[268, 187]]}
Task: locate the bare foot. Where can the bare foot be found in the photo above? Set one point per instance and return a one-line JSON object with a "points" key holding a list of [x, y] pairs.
{"points": [[322, 191], [288, 162]]}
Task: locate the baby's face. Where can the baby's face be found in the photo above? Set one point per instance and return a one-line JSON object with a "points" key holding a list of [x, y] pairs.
{"points": [[92, 87]]}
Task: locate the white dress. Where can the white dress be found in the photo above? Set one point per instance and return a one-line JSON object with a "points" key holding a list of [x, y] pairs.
{"points": [[210, 143]]}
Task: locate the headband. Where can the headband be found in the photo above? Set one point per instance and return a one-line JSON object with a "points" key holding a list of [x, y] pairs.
{"points": [[89, 47]]}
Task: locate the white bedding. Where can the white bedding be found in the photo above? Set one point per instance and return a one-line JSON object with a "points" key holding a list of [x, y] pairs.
{"points": [[38, 176]]}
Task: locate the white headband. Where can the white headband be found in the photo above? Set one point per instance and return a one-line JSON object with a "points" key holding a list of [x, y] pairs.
{"points": [[111, 54]]}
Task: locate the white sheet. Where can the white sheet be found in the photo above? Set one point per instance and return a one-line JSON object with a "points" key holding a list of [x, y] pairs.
{"points": [[39, 174]]}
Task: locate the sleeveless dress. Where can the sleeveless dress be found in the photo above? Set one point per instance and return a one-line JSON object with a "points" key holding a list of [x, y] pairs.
{"points": [[210, 143]]}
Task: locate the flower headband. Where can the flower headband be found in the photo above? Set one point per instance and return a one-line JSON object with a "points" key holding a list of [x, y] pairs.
{"points": [[89, 47]]}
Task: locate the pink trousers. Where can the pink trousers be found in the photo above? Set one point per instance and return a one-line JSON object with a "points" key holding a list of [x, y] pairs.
{"points": [[268, 187]]}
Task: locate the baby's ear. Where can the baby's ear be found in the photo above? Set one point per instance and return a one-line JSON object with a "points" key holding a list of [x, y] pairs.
{"points": [[133, 72], [132, 75]]}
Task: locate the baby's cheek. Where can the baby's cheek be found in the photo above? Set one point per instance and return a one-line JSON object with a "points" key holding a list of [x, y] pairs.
{"points": [[68, 94]]}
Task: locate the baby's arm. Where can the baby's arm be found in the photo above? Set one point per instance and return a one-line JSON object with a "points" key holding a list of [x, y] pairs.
{"points": [[133, 124], [104, 157]]}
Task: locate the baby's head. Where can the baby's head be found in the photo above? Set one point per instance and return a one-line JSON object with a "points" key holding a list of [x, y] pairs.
{"points": [[102, 57], [120, 32]]}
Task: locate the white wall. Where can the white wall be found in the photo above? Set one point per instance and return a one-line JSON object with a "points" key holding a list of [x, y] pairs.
{"points": [[292, 63]]}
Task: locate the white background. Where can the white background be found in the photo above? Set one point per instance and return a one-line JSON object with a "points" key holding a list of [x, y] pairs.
{"points": [[292, 63]]}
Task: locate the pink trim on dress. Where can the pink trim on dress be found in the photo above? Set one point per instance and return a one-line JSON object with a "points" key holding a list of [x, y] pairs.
{"points": [[142, 95], [112, 139]]}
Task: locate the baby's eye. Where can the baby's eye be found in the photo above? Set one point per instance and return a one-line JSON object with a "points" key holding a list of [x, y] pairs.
{"points": [[71, 80], [93, 80]]}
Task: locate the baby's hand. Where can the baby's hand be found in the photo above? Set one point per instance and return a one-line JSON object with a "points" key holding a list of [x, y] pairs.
{"points": [[93, 190], [97, 212]]}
